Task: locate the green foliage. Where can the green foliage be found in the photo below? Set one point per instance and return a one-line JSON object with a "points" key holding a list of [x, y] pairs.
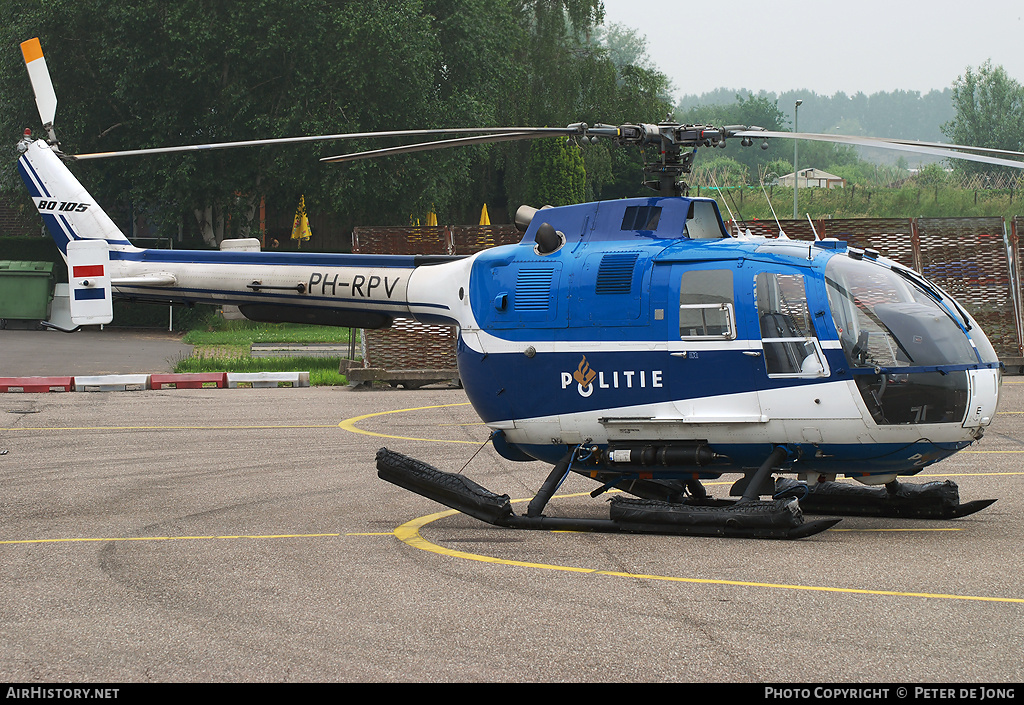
{"points": [[571, 73], [899, 113], [773, 169], [855, 201], [214, 330], [555, 173], [721, 171], [752, 111], [323, 371], [34, 249], [989, 113], [932, 175], [133, 314], [862, 173], [143, 73], [224, 346]]}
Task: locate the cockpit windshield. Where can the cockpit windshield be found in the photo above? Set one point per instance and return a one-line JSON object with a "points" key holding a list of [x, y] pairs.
{"points": [[888, 323], [885, 320]]}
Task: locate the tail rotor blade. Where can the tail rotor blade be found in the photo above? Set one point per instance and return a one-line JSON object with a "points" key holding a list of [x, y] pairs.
{"points": [[42, 86]]}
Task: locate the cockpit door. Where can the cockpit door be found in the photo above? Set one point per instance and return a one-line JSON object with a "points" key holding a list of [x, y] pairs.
{"points": [[788, 335]]}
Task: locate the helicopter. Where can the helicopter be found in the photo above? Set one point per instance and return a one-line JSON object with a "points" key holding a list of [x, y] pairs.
{"points": [[635, 342]]}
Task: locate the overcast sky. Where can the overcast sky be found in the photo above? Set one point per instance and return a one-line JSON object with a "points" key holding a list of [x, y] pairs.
{"points": [[824, 45]]}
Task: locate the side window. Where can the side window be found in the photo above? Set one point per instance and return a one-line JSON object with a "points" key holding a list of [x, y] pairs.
{"points": [[790, 345], [706, 306], [702, 222]]}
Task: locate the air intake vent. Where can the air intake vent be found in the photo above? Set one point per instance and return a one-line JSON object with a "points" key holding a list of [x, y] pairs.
{"points": [[533, 289], [615, 273]]}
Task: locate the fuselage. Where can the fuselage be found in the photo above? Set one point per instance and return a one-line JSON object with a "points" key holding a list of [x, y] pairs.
{"points": [[645, 323], [651, 325]]}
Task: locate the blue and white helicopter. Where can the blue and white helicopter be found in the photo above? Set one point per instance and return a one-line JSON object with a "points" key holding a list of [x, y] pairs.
{"points": [[635, 342]]}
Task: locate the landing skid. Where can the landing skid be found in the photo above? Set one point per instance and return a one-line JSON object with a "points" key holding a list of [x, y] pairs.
{"points": [[930, 500], [774, 519]]}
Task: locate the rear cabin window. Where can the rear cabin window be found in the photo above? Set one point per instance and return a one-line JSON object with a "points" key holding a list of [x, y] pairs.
{"points": [[706, 307]]}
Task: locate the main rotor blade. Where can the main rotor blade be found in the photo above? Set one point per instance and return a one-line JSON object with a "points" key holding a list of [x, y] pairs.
{"points": [[958, 147], [946, 151], [39, 76], [321, 138], [444, 144]]}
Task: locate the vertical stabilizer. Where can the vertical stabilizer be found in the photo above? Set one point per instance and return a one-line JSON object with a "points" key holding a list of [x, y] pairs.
{"points": [[68, 210]]}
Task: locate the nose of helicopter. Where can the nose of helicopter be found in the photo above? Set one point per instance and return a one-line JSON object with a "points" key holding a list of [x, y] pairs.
{"points": [[985, 386]]}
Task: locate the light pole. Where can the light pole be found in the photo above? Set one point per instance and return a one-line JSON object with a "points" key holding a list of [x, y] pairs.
{"points": [[796, 128]]}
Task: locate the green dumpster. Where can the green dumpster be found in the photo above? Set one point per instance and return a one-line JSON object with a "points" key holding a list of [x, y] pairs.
{"points": [[25, 290]]}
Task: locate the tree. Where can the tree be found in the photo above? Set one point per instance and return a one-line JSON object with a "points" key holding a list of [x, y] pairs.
{"points": [[989, 113], [555, 173], [144, 73], [147, 73]]}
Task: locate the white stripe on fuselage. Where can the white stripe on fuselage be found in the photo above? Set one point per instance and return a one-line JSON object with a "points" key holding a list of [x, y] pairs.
{"points": [[824, 413]]}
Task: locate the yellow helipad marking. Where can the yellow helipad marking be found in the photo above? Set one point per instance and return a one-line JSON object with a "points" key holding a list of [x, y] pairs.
{"points": [[409, 533], [350, 424]]}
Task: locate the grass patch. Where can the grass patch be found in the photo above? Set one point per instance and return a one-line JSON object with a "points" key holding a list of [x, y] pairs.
{"points": [[217, 331], [323, 371], [224, 346]]}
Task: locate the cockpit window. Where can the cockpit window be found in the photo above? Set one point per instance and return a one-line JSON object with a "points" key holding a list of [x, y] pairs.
{"points": [[791, 347], [885, 320]]}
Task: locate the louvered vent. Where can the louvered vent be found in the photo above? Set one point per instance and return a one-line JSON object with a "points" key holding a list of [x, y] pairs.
{"points": [[615, 273], [533, 289]]}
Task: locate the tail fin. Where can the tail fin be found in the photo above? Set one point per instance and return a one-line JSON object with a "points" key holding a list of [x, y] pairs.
{"points": [[68, 210]]}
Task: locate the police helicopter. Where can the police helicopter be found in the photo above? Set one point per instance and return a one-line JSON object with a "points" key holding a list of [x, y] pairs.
{"points": [[635, 342]]}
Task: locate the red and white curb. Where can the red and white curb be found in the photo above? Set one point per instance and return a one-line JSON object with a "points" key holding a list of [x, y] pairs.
{"points": [[134, 382]]}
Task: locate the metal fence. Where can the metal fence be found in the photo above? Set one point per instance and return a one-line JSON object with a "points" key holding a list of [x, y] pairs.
{"points": [[411, 353]]}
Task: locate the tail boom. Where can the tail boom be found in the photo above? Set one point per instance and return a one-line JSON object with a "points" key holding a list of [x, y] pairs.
{"points": [[364, 291]]}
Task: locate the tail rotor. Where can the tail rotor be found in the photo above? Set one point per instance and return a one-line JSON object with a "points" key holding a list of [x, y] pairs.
{"points": [[42, 86]]}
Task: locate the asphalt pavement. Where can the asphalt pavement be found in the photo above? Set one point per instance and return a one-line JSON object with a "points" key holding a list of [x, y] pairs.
{"points": [[243, 536], [90, 351]]}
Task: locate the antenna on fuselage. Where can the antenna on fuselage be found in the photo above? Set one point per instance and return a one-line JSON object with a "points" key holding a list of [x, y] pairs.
{"points": [[782, 233], [725, 200], [813, 229]]}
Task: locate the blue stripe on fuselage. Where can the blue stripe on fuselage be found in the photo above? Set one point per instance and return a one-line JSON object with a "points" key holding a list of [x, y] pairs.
{"points": [[296, 259]]}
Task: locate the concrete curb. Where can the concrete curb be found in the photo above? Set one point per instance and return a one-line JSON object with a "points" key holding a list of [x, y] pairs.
{"points": [[36, 384], [268, 379], [111, 383], [135, 382]]}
